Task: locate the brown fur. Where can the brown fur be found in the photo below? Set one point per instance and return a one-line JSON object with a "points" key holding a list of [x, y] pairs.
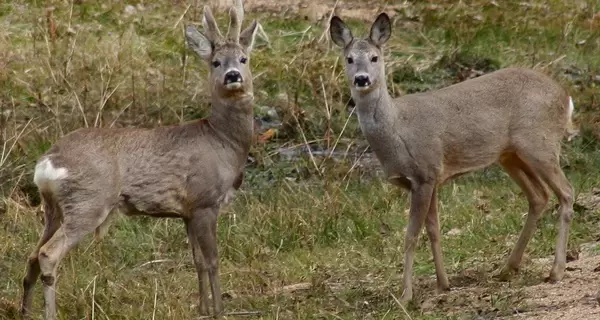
{"points": [[514, 117], [183, 171]]}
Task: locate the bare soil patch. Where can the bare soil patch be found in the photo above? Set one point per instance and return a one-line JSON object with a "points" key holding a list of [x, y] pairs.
{"points": [[573, 298], [316, 11]]}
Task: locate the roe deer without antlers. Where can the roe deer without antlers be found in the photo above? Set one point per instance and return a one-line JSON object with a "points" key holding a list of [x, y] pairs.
{"points": [[516, 117], [183, 171]]}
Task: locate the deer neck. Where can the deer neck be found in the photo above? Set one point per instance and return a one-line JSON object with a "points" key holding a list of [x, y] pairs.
{"points": [[232, 121], [373, 107]]}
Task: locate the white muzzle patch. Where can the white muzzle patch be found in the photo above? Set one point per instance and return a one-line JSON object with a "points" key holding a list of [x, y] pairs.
{"points": [[233, 85]]}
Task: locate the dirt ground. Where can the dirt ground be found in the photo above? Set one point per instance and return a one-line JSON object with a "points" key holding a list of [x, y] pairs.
{"points": [[573, 298], [576, 297], [309, 10]]}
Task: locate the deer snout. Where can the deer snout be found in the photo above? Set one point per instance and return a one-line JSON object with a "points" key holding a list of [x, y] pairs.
{"points": [[362, 80], [233, 79]]}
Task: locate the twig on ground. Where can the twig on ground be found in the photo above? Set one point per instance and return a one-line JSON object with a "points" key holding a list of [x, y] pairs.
{"points": [[236, 314], [401, 306], [152, 262], [293, 288]]}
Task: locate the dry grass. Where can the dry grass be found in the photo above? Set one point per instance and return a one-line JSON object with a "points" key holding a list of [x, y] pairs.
{"points": [[318, 236]]}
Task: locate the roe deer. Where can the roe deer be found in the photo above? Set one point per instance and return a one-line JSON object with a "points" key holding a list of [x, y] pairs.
{"points": [[516, 117], [182, 171]]}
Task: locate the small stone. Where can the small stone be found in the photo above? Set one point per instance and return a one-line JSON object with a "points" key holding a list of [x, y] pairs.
{"points": [[129, 10], [454, 232], [282, 96], [272, 113]]}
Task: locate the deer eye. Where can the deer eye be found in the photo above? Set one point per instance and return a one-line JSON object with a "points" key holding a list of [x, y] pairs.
{"points": [[243, 60], [350, 60], [375, 59], [216, 64]]}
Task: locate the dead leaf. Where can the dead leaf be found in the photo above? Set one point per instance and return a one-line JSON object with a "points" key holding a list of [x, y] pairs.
{"points": [[267, 135]]}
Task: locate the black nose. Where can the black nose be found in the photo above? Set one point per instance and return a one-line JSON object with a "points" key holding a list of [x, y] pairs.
{"points": [[233, 76], [362, 80]]}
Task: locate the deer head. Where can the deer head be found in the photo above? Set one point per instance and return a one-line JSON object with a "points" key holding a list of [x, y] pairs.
{"points": [[364, 58], [228, 56]]}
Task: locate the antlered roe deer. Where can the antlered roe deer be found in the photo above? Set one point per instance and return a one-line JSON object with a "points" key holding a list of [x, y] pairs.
{"points": [[516, 117], [182, 171]]}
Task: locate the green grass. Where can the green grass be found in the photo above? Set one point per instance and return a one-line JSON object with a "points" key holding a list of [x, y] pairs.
{"points": [[341, 231]]}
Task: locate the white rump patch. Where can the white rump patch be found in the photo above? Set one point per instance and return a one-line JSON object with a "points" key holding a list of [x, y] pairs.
{"points": [[571, 108], [571, 131], [46, 175]]}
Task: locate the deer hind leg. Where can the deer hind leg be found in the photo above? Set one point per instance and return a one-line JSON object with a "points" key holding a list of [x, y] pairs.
{"points": [[547, 166], [204, 231], [79, 220], [419, 206], [537, 196], [564, 191], [432, 225], [52, 221]]}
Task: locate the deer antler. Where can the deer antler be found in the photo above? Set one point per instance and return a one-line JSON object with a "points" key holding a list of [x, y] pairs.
{"points": [[236, 13], [210, 26]]}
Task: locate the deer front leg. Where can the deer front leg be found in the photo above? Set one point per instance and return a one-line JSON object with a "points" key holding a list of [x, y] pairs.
{"points": [[420, 199], [204, 231], [201, 269], [208, 243]]}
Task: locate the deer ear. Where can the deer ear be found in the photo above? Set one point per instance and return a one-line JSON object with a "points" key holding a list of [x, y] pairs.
{"points": [[381, 30], [339, 32], [198, 42], [248, 35]]}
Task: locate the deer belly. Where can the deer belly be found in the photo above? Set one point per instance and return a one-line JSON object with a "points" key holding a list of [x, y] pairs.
{"points": [[159, 204]]}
